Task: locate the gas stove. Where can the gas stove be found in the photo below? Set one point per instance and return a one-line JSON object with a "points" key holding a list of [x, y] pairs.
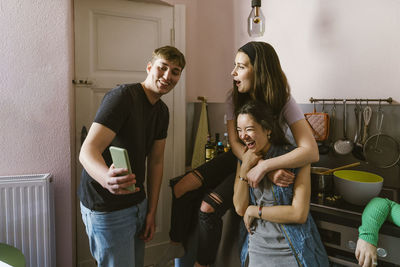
{"points": [[338, 223]]}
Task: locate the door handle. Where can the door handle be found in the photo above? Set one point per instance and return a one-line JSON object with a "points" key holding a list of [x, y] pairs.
{"points": [[84, 133]]}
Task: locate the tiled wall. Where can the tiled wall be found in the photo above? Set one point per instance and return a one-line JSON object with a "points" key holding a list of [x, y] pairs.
{"points": [[390, 126]]}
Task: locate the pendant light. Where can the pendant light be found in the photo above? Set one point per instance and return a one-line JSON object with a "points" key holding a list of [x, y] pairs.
{"points": [[256, 20]]}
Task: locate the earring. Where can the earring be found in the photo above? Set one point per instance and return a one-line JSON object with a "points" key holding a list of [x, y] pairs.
{"points": [[269, 136]]}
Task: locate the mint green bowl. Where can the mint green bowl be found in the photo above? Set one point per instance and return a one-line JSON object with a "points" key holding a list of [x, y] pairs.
{"points": [[357, 187]]}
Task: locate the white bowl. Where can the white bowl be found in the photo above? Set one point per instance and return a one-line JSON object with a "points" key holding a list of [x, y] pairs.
{"points": [[357, 187]]}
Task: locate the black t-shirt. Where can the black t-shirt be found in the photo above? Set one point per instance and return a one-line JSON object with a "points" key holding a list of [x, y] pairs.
{"points": [[126, 111]]}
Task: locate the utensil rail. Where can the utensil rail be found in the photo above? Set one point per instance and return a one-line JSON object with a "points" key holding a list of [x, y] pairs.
{"points": [[389, 100]]}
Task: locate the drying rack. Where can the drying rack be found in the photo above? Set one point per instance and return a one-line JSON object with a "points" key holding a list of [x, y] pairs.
{"points": [[357, 100]]}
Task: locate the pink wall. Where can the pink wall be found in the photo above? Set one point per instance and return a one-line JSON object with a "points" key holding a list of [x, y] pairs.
{"points": [[209, 48], [332, 49], [37, 111], [327, 49]]}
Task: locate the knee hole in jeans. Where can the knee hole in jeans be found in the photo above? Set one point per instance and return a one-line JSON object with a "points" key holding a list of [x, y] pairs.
{"points": [[209, 208]]}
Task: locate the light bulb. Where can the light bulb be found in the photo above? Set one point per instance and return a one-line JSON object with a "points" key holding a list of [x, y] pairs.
{"points": [[256, 20]]}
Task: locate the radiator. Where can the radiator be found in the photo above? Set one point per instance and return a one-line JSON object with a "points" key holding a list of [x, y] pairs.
{"points": [[27, 217]]}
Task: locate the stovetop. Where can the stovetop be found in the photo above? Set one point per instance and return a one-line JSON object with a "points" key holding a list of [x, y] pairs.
{"points": [[336, 203]]}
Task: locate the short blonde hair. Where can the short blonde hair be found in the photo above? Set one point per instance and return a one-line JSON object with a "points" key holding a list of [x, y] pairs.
{"points": [[170, 53]]}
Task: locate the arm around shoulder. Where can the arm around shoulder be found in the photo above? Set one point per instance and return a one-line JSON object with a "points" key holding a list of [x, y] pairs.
{"points": [[304, 138], [305, 153]]}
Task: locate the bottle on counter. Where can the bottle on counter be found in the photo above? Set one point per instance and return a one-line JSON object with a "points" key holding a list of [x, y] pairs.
{"points": [[216, 143], [225, 142], [210, 149], [220, 148], [216, 139]]}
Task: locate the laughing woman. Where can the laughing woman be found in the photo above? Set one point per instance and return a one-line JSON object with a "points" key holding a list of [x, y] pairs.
{"points": [[282, 232]]}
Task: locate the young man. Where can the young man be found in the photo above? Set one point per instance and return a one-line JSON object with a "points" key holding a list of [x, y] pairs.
{"points": [[131, 116]]}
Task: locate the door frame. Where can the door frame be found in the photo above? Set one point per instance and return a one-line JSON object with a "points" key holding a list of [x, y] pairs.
{"points": [[180, 94], [179, 118]]}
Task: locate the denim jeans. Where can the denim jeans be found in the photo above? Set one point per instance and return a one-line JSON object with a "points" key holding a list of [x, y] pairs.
{"points": [[113, 236]]}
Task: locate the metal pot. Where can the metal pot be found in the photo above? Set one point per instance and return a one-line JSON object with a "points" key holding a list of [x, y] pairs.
{"points": [[321, 183]]}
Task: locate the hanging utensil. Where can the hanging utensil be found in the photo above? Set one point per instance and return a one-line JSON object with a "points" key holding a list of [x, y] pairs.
{"points": [[344, 146], [333, 123], [367, 114], [323, 148], [380, 149], [356, 114], [379, 121], [358, 148], [387, 151]]}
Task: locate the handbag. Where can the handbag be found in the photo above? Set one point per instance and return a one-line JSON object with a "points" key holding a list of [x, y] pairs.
{"points": [[319, 123]]}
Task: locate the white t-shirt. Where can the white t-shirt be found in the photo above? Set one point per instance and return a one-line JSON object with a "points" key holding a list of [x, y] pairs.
{"points": [[291, 111]]}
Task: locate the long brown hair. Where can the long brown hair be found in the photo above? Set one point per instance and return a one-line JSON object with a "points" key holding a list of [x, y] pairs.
{"points": [[263, 115], [270, 83]]}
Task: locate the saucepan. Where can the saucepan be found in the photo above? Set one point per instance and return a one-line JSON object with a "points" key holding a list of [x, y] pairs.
{"points": [[321, 183], [322, 178]]}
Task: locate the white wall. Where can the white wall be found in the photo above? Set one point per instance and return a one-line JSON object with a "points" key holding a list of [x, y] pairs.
{"points": [[36, 104], [332, 49]]}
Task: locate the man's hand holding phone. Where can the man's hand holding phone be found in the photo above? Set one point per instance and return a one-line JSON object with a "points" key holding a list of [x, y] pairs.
{"points": [[120, 179]]}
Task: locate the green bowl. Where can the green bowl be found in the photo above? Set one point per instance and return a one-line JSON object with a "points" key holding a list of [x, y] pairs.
{"points": [[357, 187]]}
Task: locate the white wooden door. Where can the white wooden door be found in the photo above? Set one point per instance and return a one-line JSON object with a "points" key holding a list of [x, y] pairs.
{"points": [[114, 40]]}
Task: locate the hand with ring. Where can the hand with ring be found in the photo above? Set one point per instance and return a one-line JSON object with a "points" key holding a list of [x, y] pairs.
{"points": [[366, 254]]}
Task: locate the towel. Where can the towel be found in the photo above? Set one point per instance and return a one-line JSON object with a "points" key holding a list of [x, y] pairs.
{"points": [[199, 150]]}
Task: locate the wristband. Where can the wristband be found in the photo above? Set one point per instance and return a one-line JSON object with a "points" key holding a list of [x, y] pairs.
{"points": [[260, 211]]}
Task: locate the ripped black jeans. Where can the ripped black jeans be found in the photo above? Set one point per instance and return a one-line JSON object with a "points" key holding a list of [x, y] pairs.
{"points": [[218, 176]]}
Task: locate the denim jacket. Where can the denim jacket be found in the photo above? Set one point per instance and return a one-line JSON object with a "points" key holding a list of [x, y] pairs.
{"points": [[303, 239]]}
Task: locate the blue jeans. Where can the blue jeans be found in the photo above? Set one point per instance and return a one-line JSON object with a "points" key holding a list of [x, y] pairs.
{"points": [[113, 236]]}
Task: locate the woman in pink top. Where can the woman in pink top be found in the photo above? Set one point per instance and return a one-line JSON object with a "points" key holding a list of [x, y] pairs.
{"points": [[257, 74]]}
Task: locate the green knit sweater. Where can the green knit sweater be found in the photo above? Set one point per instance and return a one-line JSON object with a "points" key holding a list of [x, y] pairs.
{"points": [[375, 214]]}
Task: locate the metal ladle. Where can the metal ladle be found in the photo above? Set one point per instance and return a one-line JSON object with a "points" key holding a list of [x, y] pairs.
{"points": [[344, 146]]}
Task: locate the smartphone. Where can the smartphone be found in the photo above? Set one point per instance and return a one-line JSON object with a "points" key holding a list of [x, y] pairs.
{"points": [[121, 160]]}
